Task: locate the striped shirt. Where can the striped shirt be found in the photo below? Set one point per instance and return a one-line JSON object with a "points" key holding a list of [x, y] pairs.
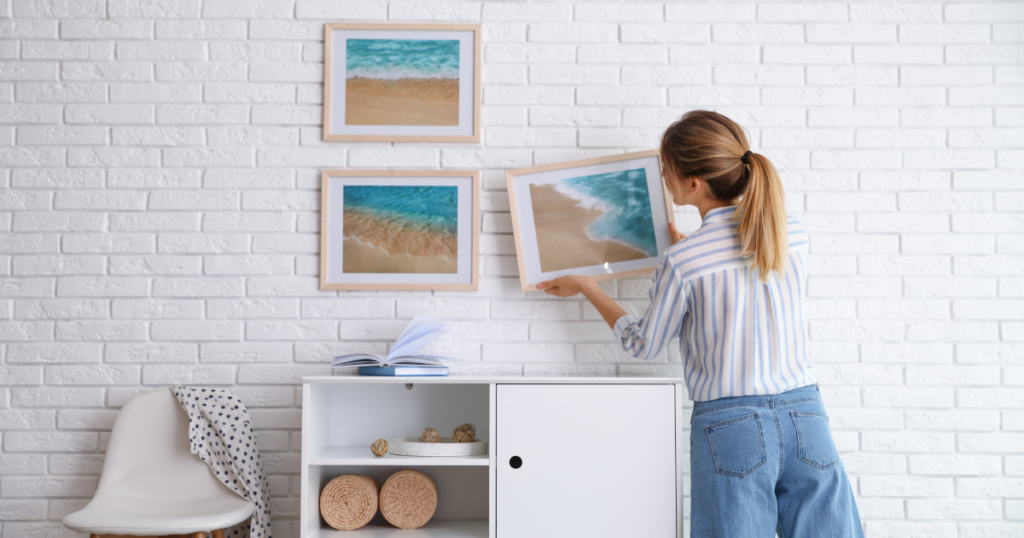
{"points": [[738, 336]]}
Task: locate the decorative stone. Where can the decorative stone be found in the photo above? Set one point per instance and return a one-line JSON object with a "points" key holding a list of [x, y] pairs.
{"points": [[379, 448], [465, 433], [430, 435]]}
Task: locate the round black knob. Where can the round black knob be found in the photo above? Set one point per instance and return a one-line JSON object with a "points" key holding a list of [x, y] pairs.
{"points": [[516, 462]]}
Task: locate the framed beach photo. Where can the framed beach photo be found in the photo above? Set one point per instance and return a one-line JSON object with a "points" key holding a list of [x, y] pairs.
{"points": [[399, 230], [605, 217], [389, 82]]}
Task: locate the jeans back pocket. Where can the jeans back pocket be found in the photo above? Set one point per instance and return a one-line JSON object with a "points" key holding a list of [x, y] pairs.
{"points": [[815, 445], [737, 445]]}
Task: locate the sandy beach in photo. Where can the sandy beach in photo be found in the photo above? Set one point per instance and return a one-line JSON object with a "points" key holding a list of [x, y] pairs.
{"points": [[562, 240], [362, 258], [402, 82], [405, 101], [375, 245]]}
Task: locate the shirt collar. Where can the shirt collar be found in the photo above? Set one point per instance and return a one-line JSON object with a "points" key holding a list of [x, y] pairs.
{"points": [[719, 214]]}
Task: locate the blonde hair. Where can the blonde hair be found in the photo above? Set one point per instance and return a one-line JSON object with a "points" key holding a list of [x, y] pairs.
{"points": [[709, 146]]}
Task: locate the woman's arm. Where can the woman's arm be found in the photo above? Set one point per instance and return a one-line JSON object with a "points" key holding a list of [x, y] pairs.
{"points": [[567, 286], [642, 337]]}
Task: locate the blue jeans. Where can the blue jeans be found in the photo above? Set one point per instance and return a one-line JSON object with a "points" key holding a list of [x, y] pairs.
{"points": [[765, 464]]}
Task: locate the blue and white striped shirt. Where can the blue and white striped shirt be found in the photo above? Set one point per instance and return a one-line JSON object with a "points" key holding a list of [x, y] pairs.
{"points": [[738, 336]]}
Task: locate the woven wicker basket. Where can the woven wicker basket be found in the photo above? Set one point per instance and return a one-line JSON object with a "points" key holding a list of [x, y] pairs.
{"points": [[408, 499], [348, 502]]}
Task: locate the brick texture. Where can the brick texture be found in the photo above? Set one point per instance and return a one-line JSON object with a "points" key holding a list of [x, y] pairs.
{"points": [[159, 213]]}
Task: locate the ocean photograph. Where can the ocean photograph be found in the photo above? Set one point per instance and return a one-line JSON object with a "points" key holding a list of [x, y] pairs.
{"points": [[400, 229], [593, 220], [402, 82]]}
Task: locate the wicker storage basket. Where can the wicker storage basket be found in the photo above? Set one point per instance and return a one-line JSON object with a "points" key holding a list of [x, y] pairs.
{"points": [[349, 501], [408, 499]]}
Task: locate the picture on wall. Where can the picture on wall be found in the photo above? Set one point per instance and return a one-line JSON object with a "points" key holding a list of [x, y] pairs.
{"points": [[605, 217], [399, 229], [402, 82]]}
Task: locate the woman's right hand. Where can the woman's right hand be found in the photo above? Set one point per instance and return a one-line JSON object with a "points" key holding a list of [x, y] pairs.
{"points": [[675, 234], [565, 286]]}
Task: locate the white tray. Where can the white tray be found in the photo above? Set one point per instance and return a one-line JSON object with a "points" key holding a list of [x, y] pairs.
{"points": [[412, 446]]}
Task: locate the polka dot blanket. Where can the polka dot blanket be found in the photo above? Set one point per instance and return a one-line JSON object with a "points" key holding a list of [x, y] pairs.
{"points": [[221, 434]]}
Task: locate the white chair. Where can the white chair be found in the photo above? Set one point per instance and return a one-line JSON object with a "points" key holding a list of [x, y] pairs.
{"points": [[152, 485]]}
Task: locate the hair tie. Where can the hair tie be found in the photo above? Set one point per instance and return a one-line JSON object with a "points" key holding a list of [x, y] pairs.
{"points": [[745, 155]]}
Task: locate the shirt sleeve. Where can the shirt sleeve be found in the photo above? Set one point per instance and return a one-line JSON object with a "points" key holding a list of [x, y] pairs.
{"points": [[796, 233], [646, 336]]}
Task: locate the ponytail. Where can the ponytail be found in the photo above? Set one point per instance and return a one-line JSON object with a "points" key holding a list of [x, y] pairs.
{"points": [[709, 146], [762, 216]]}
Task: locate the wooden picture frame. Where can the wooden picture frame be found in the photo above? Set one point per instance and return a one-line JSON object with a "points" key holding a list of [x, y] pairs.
{"points": [[567, 222], [382, 97], [420, 239]]}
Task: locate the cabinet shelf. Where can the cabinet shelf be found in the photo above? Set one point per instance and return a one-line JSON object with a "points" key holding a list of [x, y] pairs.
{"points": [[361, 455], [433, 529], [575, 480]]}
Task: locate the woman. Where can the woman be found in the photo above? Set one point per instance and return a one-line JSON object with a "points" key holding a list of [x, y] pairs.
{"points": [[762, 458]]}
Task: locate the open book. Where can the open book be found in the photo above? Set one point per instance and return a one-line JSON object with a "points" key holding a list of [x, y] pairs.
{"points": [[406, 351]]}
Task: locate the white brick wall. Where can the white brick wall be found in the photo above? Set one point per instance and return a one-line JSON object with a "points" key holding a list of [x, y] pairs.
{"points": [[159, 163]]}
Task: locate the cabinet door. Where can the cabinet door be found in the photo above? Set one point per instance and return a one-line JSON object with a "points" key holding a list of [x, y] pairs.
{"points": [[593, 460]]}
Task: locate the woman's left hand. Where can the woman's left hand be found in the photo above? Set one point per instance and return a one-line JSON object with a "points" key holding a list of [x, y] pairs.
{"points": [[675, 234], [565, 286]]}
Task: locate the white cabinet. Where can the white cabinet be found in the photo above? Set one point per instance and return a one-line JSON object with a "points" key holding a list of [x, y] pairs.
{"points": [[600, 457], [590, 460]]}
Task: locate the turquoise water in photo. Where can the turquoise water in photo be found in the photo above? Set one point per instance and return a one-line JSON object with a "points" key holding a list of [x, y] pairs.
{"points": [[433, 209], [625, 201], [393, 59]]}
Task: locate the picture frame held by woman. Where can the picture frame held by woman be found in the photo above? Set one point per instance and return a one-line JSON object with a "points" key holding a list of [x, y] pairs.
{"points": [[605, 217]]}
